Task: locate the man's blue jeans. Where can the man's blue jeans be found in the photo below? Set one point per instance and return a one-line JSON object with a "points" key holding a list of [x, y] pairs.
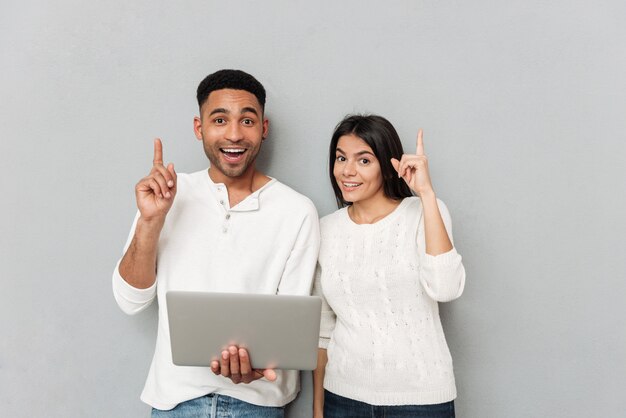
{"points": [[336, 406], [218, 406]]}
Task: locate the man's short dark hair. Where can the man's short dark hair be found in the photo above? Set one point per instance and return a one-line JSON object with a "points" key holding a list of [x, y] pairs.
{"points": [[230, 79]]}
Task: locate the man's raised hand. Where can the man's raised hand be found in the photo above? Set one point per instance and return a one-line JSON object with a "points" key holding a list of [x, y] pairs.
{"points": [[155, 193]]}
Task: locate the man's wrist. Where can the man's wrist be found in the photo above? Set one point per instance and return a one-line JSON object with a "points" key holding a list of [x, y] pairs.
{"points": [[148, 230], [154, 223]]}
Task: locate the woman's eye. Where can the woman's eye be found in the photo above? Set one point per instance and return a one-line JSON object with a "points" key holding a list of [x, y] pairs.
{"points": [[365, 161], [341, 158]]}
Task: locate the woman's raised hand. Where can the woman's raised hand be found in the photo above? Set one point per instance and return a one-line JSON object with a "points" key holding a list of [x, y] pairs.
{"points": [[413, 168]]}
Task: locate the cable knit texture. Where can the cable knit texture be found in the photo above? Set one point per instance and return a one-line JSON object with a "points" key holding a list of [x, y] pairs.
{"points": [[380, 317]]}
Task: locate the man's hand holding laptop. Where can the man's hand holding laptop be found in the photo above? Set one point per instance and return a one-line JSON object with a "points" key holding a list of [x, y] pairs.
{"points": [[235, 364]]}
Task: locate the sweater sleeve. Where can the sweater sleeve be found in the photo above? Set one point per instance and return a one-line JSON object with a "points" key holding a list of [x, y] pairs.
{"points": [[299, 269], [328, 317], [442, 276], [131, 299]]}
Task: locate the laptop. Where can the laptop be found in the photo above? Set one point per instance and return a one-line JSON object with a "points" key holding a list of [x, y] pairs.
{"points": [[279, 331]]}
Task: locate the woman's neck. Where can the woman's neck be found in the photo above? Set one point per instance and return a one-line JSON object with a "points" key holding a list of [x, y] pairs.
{"points": [[372, 210]]}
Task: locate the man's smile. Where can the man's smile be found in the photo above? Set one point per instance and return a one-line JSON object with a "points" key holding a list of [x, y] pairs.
{"points": [[233, 154]]}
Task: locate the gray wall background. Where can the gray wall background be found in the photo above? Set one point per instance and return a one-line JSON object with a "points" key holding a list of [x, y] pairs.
{"points": [[523, 105]]}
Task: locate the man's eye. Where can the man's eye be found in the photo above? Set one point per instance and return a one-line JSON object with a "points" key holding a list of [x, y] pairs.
{"points": [[248, 122], [219, 121]]}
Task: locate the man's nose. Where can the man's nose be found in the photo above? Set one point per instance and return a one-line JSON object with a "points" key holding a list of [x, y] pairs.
{"points": [[234, 132]]}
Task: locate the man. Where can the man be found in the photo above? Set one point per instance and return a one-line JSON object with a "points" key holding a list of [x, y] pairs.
{"points": [[228, 229]]}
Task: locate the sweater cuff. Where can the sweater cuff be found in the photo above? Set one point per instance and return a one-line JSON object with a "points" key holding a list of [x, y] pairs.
{"points": [[442, 260], [130, 293], [323, 343], [443, 276]]}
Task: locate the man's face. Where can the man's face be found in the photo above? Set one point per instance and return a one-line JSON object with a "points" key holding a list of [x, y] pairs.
{"points": [[231, 128]]}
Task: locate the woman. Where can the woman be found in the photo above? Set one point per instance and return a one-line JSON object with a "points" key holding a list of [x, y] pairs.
{"points": [[386, 259]]}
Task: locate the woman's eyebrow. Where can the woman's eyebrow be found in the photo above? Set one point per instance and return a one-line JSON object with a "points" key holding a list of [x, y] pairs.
{"points": [[357, 153]]}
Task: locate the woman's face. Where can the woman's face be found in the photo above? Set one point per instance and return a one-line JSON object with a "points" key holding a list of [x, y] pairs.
{"points": [[357, 170]]}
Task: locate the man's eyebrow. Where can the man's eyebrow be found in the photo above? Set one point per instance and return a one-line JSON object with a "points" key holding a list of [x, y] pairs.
{"points": [[249, 109], [244, 110], [218, 110]]}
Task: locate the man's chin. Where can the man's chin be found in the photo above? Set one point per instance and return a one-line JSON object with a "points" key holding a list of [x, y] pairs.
{"points": [[230, 170]]}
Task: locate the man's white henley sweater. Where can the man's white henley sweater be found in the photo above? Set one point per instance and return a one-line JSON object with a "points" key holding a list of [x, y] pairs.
{"points": [[268, 243], [381, 323]]}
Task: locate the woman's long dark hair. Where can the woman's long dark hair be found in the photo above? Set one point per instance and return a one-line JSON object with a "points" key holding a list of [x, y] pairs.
{"points": [[381, 136]]}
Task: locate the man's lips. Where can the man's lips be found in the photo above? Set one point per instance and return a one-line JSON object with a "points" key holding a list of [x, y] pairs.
{"points": [[233, 155]]}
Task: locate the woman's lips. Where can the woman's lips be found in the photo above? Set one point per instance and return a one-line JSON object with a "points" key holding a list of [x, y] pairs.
{"points": [[350, 186]]}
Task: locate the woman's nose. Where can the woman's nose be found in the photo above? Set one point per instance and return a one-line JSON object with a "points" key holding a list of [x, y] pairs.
{"points": [[349, 169]]}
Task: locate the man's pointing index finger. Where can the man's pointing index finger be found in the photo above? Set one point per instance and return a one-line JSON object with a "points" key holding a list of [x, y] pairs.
{"points": [[158, 152]]}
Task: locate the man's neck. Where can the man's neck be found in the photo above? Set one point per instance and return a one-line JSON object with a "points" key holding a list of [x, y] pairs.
{"points": [[240, 187]]}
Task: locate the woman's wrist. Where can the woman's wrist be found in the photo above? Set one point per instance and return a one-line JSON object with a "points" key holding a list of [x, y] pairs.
{"points": [[428, 195]]}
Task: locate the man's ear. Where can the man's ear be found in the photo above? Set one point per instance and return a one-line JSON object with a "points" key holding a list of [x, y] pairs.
{"points": [[197, 127], [266, 128]]}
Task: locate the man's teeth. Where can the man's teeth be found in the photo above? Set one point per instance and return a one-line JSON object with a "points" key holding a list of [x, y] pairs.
{"points": [[233, 150]]}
